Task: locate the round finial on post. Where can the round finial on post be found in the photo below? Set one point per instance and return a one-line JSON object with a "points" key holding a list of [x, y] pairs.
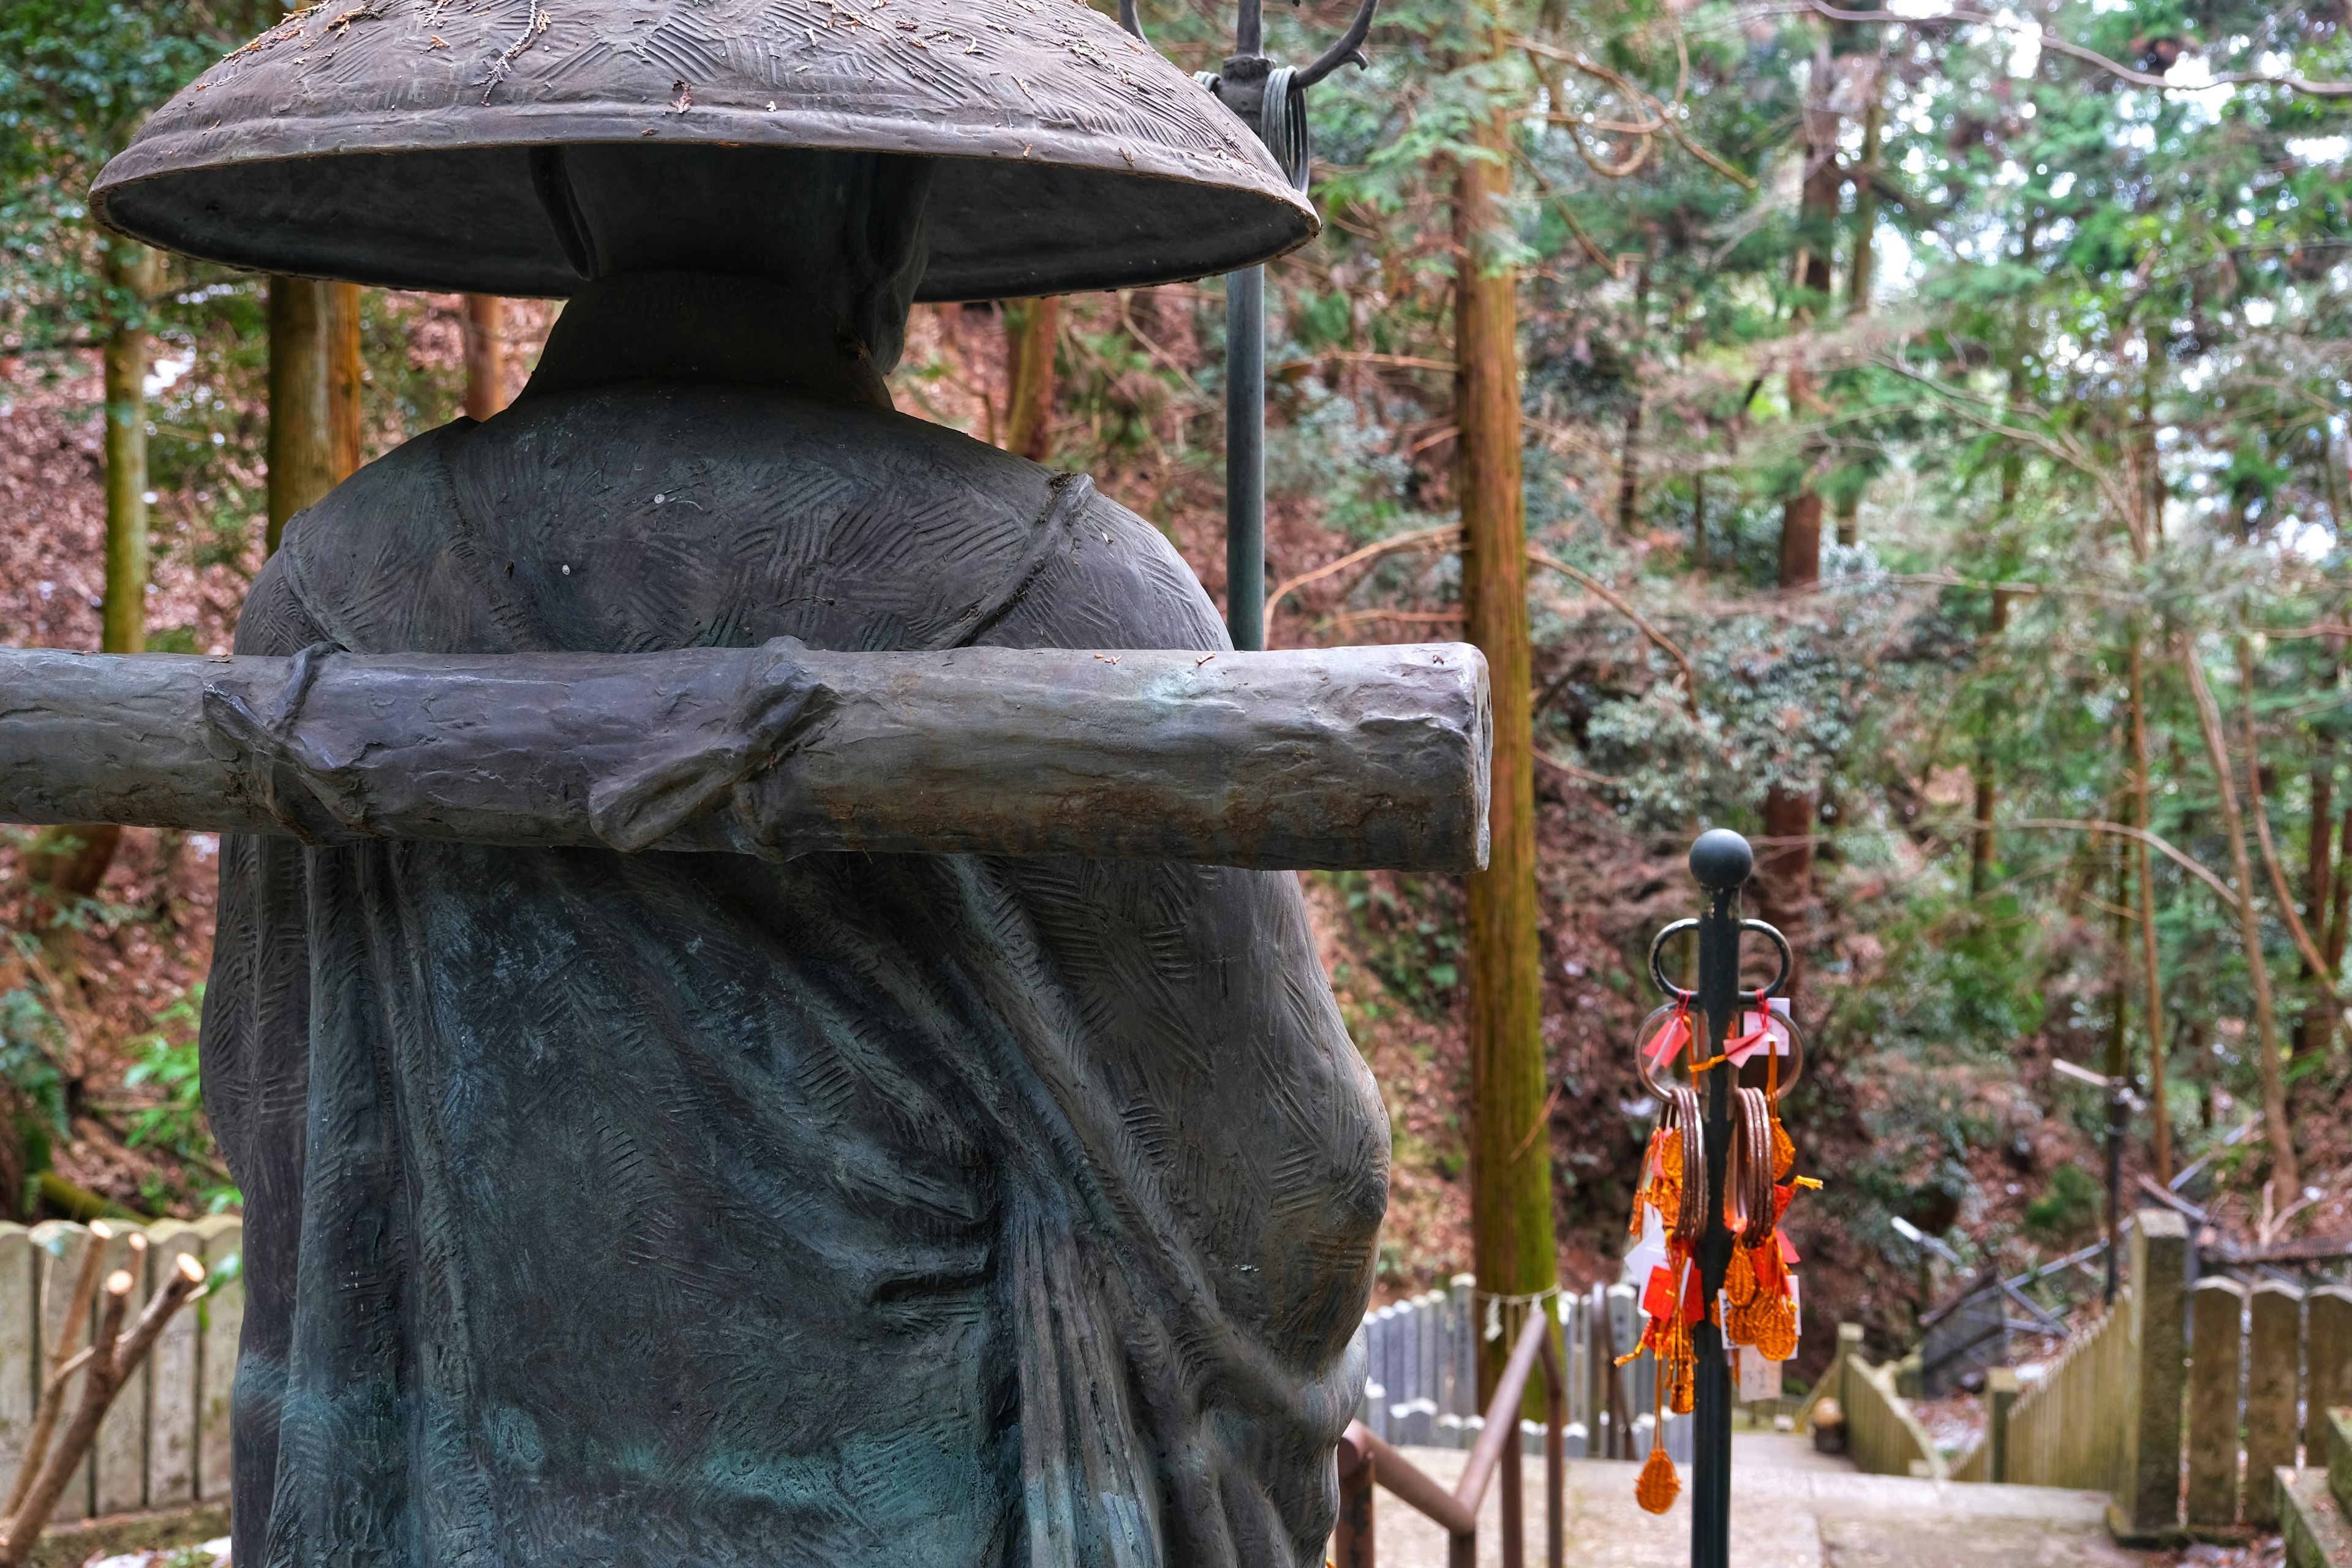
{"points": [[1721, 859]]}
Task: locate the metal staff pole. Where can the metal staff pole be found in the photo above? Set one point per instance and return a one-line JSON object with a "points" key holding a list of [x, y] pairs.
{"points": [[1721, 862], [1246, 456], [1271, 100]]}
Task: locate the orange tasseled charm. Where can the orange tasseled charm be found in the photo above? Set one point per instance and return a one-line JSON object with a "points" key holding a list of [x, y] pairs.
{"points": [[1659, 1486]]}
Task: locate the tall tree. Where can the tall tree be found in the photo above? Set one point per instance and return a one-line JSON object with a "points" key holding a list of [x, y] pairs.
{"points": [[75, 77], [301, 438], [486, 355], [1511, 1204], [345, 376], [1032, 331]]}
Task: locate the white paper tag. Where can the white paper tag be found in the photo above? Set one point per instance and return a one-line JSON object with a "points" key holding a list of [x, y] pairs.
{"points": [[1772, 1024], [1650, 1252], [1758, 1379]]}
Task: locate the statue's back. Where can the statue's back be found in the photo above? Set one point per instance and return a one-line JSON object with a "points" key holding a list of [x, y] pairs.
{"points": [[693, 1208]]}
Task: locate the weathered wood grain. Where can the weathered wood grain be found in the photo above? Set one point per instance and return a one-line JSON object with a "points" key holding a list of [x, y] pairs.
{"points": [[220, 1319], [172, 1375], [119, 1455], [61, 1245], [19, 1343], [1342, 757]]}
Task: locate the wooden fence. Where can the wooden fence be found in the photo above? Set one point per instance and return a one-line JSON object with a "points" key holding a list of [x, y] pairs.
{"points": [[167, 1441], [2068, 1428], [1422, 1377], [2107, 1414], [2255, 1355], [2259, 1365], [1881, 1436]]}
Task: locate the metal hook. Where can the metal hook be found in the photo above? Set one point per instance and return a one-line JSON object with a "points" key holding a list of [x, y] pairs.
{"points": [[1350, 47]]}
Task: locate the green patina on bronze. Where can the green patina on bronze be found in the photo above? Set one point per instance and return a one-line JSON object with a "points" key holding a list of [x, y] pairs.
{"points": [[707, 1208]]}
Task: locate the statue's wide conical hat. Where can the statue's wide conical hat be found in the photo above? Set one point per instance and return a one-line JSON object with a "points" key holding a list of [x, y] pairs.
{"points": [[392, 141]]}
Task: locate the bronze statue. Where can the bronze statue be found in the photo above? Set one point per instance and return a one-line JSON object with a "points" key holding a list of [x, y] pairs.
{"points": [[890, 1164]]}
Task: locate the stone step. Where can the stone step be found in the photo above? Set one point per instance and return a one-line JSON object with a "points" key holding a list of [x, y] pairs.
{"points": [[2314, 1526]]}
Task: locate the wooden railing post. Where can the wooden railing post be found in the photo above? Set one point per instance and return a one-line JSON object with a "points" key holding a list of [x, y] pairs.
{"points": [[2328, 1366], [1514, 1526], [2273, 1358], [2217, 1305], [1351, 1539], [2147, 1506], [2001, 1386], [1555, 1455]]}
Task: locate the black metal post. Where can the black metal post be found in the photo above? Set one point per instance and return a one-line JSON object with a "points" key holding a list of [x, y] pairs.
{"points": [[1721, 861], [1245, 453], [2118, 1127], [1270, 101]]}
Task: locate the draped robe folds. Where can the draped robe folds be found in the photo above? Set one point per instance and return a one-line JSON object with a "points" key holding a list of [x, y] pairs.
{"points": [[701, 1210]]}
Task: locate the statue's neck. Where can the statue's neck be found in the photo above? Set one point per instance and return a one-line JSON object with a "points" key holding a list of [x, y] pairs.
{"points": [[709, 329]]}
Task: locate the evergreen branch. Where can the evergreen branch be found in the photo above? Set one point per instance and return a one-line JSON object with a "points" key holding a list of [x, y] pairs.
{"points": [[2052, 41]]}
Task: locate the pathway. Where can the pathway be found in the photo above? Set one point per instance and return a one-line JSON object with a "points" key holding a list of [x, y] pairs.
{"points": [[1790, 1508]]}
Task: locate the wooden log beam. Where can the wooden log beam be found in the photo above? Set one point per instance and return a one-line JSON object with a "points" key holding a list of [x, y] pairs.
{"points": [[1339, 757]]}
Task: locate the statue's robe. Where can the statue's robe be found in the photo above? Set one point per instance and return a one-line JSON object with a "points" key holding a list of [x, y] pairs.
{"points": [[699, 1209]]}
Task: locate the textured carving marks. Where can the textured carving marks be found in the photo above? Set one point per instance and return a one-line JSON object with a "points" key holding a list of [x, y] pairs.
{"points": [[389, 141], [1342, 757]]}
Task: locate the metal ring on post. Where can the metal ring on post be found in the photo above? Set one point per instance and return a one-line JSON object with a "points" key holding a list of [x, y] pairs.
{"points": [[1788, 959], [1657, 946], [1660, 1088], [1747, 998]]}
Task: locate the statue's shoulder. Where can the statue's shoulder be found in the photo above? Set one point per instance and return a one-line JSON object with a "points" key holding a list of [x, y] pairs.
{"points": [[658, 515], [371, 566]]}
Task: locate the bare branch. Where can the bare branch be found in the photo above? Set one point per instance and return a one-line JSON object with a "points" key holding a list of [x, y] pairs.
{"points": [[2124, 830], [1665, 644]]}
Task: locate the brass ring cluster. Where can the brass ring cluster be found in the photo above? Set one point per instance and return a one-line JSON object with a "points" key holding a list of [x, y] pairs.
{"points": [[1748, 1189], [1684, 1117]]}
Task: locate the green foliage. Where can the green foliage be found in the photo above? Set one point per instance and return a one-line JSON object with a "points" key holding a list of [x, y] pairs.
{"points": [[1409, 928], [167, 1061], [2067, 1208], [31, 1041]]}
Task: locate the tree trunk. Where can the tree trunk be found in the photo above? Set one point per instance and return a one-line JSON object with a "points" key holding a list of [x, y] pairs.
{"points": [[130, 275], [1800, 514], [301, 455], [1785, 863], [1629, 466], [2285, 1177], [2317, 1022], [1860, 281], [2118, 1018], [1031, 329], [486, 355], [2340, 896], [345, 374], [71, 862], [1510, 1201], [2151, 970], [1698, 522], [2311, 1028], [1987, 783], [1628, 470]]}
